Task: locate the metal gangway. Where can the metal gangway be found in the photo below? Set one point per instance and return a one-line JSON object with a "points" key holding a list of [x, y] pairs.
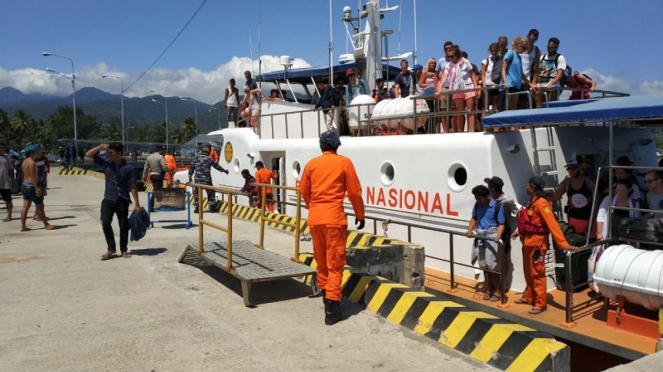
{"points": [[243, 259]]}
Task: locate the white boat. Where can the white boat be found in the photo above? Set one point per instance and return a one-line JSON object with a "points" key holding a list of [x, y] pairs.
{"points": [[426, 179]]}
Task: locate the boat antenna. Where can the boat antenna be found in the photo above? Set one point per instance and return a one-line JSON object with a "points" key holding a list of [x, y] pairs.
{"points": [[259, 55], [253, 71], [400, 18], [331, 47], [414, 54]]}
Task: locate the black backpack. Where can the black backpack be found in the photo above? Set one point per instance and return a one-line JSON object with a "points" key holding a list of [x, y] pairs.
{"points": [[496, 73]]}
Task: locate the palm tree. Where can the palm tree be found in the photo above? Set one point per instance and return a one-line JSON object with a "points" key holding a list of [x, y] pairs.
{"points": [[176, 136], [22, 122], [189, 129]]}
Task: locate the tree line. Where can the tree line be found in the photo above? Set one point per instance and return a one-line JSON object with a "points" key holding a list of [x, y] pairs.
{"points": [[22, 129]]}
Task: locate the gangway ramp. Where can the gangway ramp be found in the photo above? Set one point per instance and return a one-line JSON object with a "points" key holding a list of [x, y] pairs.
{"points": [[243, 259]]}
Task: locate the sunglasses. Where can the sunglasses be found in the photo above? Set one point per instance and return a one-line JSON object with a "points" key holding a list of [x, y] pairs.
{"points": [[552, 48], [647, 182], [493, 51], [448, 48]]}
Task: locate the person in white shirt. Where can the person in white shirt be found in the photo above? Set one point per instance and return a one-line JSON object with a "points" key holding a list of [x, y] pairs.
{"points": [[231, 102], [551, 71]]}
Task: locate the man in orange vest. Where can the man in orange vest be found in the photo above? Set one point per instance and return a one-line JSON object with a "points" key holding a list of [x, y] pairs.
{"points": [[264, 175], [325, 182], [212, 153], [535, 223], [172, 165]]}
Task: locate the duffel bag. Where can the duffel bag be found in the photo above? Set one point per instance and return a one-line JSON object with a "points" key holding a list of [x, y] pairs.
{"points": [[643, 229]]}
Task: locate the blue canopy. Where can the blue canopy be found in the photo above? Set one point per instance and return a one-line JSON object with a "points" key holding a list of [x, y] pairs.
{"points": [[304, 75], [585, 111]]}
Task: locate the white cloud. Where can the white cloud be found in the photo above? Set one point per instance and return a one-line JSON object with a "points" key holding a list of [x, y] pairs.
{"points": [[608, 82], [204, 86], [651, 87]]}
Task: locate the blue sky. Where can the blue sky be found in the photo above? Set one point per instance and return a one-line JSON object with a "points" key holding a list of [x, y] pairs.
{"points": [[618, 43]]}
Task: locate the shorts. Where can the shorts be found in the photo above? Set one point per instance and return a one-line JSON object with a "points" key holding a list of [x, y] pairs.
{"points": [[487, 250], [466, 95], [6, 195], [255, 112], [30, 194]]}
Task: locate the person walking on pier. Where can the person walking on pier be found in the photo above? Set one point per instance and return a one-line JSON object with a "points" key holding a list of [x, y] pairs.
{"points": [[202, 166], [120, 181], [325, 182], [6, 178], [31, 191], [157, 167], [535, 222]]}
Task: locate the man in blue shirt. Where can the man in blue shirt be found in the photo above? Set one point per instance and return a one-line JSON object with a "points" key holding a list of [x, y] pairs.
{"points": [[487, 223], [120, 181]]}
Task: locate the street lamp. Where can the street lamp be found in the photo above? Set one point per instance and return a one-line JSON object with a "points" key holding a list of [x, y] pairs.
{"points": [[165, 104], [217, 109], [121, 101], [127, 148], [195, 107], [73, 85]]}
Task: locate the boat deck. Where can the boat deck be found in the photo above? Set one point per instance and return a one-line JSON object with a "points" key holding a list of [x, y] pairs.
{"points": [[590, 329]]}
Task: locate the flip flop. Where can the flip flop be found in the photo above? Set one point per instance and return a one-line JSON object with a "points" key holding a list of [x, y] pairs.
{"points": [[494, 298], [107, 256], [126, 255], [537, 310], [486, 297], [521, 301]]}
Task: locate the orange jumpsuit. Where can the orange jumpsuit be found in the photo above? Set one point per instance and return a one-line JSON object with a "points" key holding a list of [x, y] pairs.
{"points": [[537, 245], [324, 184], [264, 175], [214, 155], [172, 165]]}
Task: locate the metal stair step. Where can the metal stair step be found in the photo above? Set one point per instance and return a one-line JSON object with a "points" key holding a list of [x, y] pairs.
{"points": [[544, 148]]}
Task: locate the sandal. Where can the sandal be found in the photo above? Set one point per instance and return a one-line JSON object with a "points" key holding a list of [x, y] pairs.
{"points": [[126, 255], [537, 310], [495, 298], [522, 301], [486, 297], [107, 256]]}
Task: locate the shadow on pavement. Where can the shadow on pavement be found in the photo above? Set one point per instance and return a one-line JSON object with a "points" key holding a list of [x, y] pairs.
{"points": [[147, 251], [261, 292], [176, 226], [60, 218], [60, 227]]}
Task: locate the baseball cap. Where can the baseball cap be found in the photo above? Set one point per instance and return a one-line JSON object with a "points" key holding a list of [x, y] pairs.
{"points": [[350, 72], [538, 184], [494, 181], [30, 148], [259, 164], [571, 163], [418, 67], [624, 160]]}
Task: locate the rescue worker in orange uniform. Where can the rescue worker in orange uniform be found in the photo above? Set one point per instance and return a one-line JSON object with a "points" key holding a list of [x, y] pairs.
{"points": [[264, 175], [170, 162], [212, 153], [535, 223], [325, 182]]}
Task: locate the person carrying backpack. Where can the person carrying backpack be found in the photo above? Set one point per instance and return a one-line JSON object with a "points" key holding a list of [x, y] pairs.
{"points": [[577, 80], [510, 207], [484, 224], [551, 71], [329, 99]]}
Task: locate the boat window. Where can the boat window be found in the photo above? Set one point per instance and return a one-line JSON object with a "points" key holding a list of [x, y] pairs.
{"points": [[457, 177], [236, 165], [296, 169], [387, 173]]}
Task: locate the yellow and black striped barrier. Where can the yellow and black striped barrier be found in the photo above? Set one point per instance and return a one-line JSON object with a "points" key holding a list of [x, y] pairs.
{"points": [[73, 172], [500, 343]]}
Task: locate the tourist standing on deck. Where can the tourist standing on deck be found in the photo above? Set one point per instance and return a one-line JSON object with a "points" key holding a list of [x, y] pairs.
{"points": [[6, 177], [551, 71], [120, 181], [579, 190], [202, 166], [231, 103], [30, 189], [530, 61], [328, 101], [513, 77], [354, 88], [462, 76], [325, 182], [405, 81], [490, 99], [156, 166], [265, 176], [380, 92], [441, 87], [535, 223], [622, 199], [487, 221]]}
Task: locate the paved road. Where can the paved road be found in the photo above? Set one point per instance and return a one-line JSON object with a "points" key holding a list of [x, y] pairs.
{"points": [[62, 309]]}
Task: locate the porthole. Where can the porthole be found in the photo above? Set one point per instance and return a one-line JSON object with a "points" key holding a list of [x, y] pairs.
{"points": [[236, 165], [296, 169], [457, 177], [387, 173]]}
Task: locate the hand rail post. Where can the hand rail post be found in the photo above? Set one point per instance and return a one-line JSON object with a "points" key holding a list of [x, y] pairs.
{"points": [[569, 290], [201, 250], [451, 263], [501, 249], [230, 231], [298, 217], [262, 218]]}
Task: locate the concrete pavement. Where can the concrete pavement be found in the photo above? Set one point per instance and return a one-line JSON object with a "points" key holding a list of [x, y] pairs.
{"points": [[62, 309]]}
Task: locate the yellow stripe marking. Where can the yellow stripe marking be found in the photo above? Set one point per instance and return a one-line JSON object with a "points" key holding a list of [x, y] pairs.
{"points": [[360, 289], [534, 354], [404, 304], [381, 295], [351, 237], [459, 327], [428, 317], [494, 339]]}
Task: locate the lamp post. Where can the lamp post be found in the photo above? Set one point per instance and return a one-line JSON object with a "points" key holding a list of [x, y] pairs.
{"points": [[121, 101], [195, 107], [217, 109], [73, 85], [165, 104], [127, 148]]}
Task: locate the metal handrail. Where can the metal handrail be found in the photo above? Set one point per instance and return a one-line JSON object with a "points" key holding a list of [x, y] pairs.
{"points": [[264, 218]]}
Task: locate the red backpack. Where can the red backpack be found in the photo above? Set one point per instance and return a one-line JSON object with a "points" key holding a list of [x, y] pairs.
{"points": [[525, 224]]}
